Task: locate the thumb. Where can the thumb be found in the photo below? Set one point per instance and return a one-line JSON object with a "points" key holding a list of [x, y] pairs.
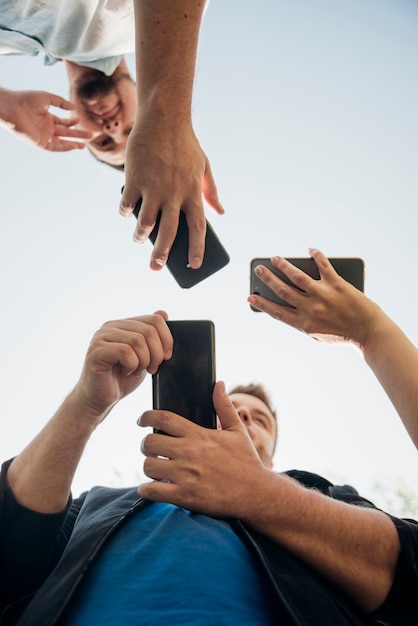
{"points": [[209, 190], [224, 408]]}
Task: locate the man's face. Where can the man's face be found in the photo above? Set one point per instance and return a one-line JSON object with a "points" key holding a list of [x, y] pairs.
{"points": [[106, 106], [259, 422]]}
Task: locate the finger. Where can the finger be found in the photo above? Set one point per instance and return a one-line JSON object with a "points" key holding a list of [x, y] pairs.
{"points": [[227, 413], [209, 190], [158, 444], [167, 231], [196, 223], [283, 290], [324, 266], [157, 491], [162, 313], [130, 359], [168, 422], [148, 337], [60, 145], [61, 103], [282, 313], [62, 130], [302, 281]]}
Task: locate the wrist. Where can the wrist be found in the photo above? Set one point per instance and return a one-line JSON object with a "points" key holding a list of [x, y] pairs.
{"points": [[82, 413]]}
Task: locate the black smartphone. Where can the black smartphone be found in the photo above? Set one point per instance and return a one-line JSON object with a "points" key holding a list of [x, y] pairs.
{"points": [[184, 383], [215, 258], [350, 268]]}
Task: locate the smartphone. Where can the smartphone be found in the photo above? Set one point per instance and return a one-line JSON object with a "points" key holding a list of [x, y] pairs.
{"points": [[350, 268], [215, 258], [184, 383]]}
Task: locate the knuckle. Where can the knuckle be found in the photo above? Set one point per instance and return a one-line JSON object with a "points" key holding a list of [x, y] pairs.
{"points": [[277, 314]]}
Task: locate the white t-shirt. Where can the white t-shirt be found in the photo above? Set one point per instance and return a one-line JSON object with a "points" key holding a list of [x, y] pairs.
{"points": [[95, 33]]}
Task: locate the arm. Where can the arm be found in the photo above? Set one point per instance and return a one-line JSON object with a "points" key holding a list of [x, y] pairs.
{"points": [[333, 310], [26, 115], [117, 360], [356, 548], [165, 165]]}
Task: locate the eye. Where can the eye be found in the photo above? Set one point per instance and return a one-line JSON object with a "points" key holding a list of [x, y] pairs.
{"points": [[102, 142]]}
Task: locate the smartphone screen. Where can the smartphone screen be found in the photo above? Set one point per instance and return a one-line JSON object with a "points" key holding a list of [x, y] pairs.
{"points": [[215, 258], [184, 384], [349, 268]]}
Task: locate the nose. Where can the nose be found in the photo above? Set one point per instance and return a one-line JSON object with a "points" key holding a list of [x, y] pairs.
{"points": [[112, 126]]}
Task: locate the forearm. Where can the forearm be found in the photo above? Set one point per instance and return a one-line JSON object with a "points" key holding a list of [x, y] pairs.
{"points": [[166, 47], [394, 360], [41, 476], [356, 548]]}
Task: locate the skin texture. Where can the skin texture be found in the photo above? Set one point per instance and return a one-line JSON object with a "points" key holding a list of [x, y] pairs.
{"points": [[356, 548], [108, 112], [165, 165], [332, 310], [26, 114]]}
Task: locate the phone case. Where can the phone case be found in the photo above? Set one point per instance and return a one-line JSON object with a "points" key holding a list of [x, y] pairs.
{"points": [[349, 268], [216, 257], [184, 384]]}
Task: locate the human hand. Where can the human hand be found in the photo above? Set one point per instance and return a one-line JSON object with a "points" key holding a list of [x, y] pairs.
{"points": [[167, 168], [201, 469], [119, 356], [29, 119], [329, 309]]}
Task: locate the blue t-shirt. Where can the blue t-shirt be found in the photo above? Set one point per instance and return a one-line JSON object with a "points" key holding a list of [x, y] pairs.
{"points": [[167, 565]]}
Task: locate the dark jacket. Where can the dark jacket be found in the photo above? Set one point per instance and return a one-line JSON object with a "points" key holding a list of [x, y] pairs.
{"points": [[44, 558]]}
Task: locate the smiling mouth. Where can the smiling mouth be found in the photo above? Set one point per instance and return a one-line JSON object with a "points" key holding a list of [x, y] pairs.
{"points": [[106, 115]]}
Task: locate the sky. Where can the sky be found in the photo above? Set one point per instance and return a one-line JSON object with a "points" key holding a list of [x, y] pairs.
{"points": [[307, 112]]}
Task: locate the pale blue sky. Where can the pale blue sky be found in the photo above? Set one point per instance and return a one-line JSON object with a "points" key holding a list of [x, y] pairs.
{"points": [[308, 113]]}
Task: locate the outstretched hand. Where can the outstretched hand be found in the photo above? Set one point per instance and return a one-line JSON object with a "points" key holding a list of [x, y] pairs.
{"points": [[29, 119], [201, 469], [168, 169], [329, 309]]}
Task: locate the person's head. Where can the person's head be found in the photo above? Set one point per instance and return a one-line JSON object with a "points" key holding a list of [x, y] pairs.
{"points": [[106, 106], [254, 407]]}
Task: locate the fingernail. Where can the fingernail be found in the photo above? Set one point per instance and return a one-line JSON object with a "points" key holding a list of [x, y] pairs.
{"points": [[160, 261], [251, 299], [275, 260], [195, 262], [258, 270]]}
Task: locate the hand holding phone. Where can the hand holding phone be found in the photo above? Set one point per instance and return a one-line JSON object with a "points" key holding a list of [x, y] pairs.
{"points": [[214, 259], [184, 384], [349, 268]]}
